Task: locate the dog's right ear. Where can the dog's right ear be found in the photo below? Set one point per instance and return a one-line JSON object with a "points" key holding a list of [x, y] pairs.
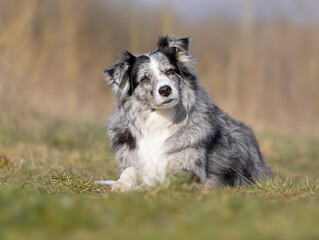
{"points": [[118, 76], [178, 46]]}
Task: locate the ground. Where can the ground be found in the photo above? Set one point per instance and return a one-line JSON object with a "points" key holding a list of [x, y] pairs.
{"points": [[47, 191]]}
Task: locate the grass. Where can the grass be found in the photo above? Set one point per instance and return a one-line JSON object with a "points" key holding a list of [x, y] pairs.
{"points": [[47, 191]]}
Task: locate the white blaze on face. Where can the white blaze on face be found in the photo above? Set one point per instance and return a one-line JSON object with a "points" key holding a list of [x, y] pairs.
{"points": [[154, 65], [162, 80]]}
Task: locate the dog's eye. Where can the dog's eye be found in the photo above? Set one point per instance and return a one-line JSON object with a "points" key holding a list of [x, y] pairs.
{"points": [[170, 72], [144, 79]]}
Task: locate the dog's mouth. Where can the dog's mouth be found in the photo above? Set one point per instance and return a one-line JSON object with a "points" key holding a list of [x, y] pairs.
{"points": [[168, 101]]}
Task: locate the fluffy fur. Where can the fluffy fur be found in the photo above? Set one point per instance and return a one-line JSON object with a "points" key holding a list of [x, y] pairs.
{"points": [[164, 122]]}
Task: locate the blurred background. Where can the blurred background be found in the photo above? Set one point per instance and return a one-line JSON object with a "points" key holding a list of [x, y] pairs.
{"points": [[258, 59]]}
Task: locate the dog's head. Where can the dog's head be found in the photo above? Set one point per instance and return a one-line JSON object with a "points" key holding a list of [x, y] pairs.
{"points": [[153, 78]]}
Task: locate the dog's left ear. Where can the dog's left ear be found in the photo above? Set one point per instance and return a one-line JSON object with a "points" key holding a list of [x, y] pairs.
{"points": [[118, 76], [178, 46]]}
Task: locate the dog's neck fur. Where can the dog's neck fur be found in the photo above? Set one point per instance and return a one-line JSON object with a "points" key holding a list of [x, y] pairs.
{"points": [[145, 120], [151, 130]]}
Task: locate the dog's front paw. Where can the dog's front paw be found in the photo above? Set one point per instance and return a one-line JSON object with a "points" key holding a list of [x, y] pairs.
{"points": [[107, 183], [117, 186]]}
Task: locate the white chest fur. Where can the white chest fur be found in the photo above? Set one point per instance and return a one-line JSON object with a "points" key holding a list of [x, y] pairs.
{"points": [[151, 147]]}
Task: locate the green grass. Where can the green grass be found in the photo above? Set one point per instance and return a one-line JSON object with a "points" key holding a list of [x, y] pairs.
{"points": [[47, 191]]}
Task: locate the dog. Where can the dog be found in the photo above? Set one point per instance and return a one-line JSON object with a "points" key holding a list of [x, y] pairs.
{"points": [[165, 123]]}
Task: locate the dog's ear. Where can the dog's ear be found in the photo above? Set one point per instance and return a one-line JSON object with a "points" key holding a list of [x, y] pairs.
{"points": [[178, 46], [118, 76], [177, 50]]}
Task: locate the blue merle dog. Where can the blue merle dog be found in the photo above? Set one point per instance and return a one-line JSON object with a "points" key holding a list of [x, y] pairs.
{"points": [[164, 122]]}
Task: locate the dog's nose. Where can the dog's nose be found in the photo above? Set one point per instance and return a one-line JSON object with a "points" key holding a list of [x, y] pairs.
{"points": [[165, 91]]}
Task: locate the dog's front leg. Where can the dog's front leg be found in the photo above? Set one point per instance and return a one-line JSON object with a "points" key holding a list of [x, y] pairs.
{"points": [[127, 181]]}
